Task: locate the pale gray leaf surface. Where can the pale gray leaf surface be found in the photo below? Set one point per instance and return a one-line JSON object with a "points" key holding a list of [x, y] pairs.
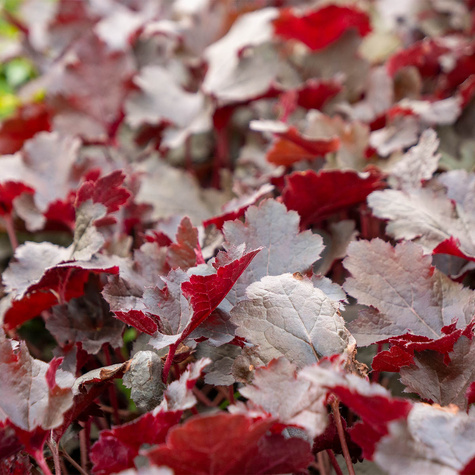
{"points": [[270, 391], [251, 29], [25, 397], [87, 239], [285, 249], [419, 162], [401, 283], [219, 372], [159, 187], [161, 98], [287, 316], [433, 440], [342, 233], [217, 328], [144, 378], [425, 216], [396, 136], [445, 384]]}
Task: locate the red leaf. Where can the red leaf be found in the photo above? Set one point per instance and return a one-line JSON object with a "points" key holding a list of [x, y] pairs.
{"points": [[8, 192], [27, 121], [116, 448], [292, 147], [206, 292], [223, 443], [106, 191], [451, 246], [321, 27], [470, 394], [316, 196]]}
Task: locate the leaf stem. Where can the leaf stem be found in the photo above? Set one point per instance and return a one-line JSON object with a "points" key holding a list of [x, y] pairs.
{"points": [[40, 460], [73, 462], [54, 451], [11, 231], [322, 469], [341, 434], [334, 462]]}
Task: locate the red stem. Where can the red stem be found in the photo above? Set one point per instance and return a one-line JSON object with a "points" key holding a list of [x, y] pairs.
{"points": [[202, 398], [334, 462], [321, 463], [83, 449], [231, 395], [11, 231], [55, 452], [40, 460], [341, 434]]}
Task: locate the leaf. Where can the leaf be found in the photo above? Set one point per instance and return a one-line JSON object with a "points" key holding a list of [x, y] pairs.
{"points": [[236, 207], [159, 187], [270, 389], [28, 120], [287, 316], [178, 395], [116, 448], [285, 249], [87, 320], [186, 252], [419, 163], [44, 275], [236, 77], [291, 146], [185, 302], [227, 444], [371, 402], [219, 372], [434, 440], [330, 21], [27, 400], [144, 378], [88, 92], [401, 283], [443, 383], [425, 216], [52, 183], [316, 196], [162, 99]]}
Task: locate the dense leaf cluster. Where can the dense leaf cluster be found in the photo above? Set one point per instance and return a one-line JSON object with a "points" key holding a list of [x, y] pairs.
{"points": [[214, 213]]}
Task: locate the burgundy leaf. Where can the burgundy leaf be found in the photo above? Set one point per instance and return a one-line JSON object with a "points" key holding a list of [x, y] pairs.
{"points": [[28, 120], [106, 191], [226, 444], [316, 196], [43, 275], [29, 398], [116, 448]]}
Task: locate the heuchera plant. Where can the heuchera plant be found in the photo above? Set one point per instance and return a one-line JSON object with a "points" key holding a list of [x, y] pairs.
{"points": [[237, 237]]}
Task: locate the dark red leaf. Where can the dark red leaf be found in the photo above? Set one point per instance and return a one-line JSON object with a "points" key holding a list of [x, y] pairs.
{"points": [[223, 443], [116, 448], [106, 191], [316, 196], [8, 192], [27, 121]]}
